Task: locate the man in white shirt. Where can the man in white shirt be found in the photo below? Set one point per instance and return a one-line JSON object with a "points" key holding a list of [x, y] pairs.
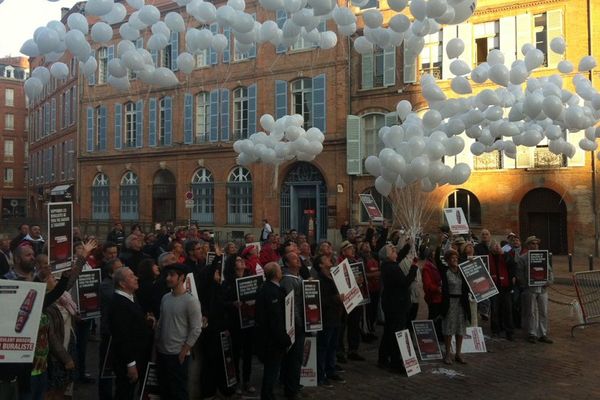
{"points": [[265, 231]]}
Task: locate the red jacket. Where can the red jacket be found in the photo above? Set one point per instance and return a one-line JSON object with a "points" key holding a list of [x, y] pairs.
{"points": [[268, 254], [432, 283], [499, 271]]}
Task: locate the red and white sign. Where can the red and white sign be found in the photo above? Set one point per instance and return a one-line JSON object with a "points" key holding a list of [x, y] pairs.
{"points": [[456, 221], [344, 280], [407, 351]]}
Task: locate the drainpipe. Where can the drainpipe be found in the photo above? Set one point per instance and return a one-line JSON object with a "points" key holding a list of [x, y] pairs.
{"points": [[594, 195], [351, 180]]}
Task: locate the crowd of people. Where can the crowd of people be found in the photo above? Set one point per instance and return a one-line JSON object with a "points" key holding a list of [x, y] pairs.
{"points": [[149, 313]]}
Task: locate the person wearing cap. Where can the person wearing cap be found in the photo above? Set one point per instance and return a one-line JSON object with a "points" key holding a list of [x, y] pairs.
{"points": [[178, 328], [534, 299], [250, 256]]}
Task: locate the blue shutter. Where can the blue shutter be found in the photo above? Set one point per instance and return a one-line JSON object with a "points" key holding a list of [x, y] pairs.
{"points": [[168, 120], [188, 120], [213, 54], [102, 129], [319, 106], [225, 114], [90, 129], [251, 109], [111, 53], [67, 110], [53, 115], [174, 50], [281, 18], [152, 122], [139, 123], [214, 115], [118, 124], [154, 54], [281, 88], [227, 51], [252, 51]]}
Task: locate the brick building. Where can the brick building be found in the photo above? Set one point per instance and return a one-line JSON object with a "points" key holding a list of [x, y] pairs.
{"points": [[140, 152], [13, 138]]}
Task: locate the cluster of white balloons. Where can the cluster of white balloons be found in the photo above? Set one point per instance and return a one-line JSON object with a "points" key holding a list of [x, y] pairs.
{"points": [[428, 15], [283, 140], [521, 110]]}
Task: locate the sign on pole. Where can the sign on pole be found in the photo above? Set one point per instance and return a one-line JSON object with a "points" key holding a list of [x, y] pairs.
{"points": [[20, 319], [407, 351], [60, 235], [313, 319], [478, 278], [456, 221], [371, 207], [537, 267], [88, 293], [247, 288], [360, 274], [427, 341], [344, 280], [308, 371]]}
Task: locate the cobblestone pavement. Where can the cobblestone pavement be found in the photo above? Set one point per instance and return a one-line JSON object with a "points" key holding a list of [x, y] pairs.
{"points": [[567, 369]]}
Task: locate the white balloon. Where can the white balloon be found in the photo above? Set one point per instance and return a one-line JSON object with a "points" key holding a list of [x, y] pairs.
{"points": [[362, 45], [116, 15], [219, 42], [477, 148], [30, 49], [78, 22], [207, 12], [459, 67], [557, 45], [587, 63], [419, 167], [175, 22], [436, 8], [531, 138], [432, 119], [98, 7], [162, 28], [461, 85], [403, 108], [47, 40], [418, 8], [372, 18], [518, 72], [460, 173], [552, 106], [383, 186], [157, 42], [149, 14], [399, 23], [133, 60], [128, 32], [101, 32], [463, 9], [480, 73], [121, 83], [588, 145], [495, 57], [41, 73], [534, 58], [343, 16], [33, 87], [59, 70], [373, 166], [186, 62], [238, 5], [397, 5]]}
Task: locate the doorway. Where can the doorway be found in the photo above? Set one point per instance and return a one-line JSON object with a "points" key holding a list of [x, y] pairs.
{"points": [[543, 213], [164, 190]]}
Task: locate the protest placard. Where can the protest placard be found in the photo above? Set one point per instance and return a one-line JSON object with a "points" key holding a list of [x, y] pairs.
{"points": [[313, 319], [246, 288], [371, 207], [150, 387], [456, 221], [227, 349], [308, 370], [478, 278], [360, 275], [88, 293], [486, 261], [344, 280], [473, 341], [538, 267], [427, 342], [60, 235], [290, 323], [20, 319], [407, 351]]}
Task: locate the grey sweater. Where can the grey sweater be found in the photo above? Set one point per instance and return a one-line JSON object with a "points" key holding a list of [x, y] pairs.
{"points": [[180, 322]]}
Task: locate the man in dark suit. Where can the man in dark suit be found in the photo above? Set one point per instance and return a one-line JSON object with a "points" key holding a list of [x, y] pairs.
{"points": [[131, 332], [272, 337]]}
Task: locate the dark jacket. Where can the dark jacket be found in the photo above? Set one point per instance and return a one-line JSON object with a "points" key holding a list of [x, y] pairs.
{"points": [[116, 237], [332, 307], [395, 298], [131, 334], [481, 249], [271, 336], [464, 298], [132, 258]]}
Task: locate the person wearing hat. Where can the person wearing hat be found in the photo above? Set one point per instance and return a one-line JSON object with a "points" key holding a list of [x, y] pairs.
{"points": [[250, 256], [534, 299], [178, 328]]}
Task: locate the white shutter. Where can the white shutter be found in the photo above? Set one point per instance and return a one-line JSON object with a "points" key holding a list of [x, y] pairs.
{"points": [[389, 67], [409, 70], [525, 157], [448, 32], [353, 147], [367, 71], [465, 32], [554, 24], [508, 46], [524, 33], [578, 159]]}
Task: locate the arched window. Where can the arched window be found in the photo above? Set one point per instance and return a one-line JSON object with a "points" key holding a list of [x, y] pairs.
{"points": [[203, 190], [240, 113], [382, 202], [371, 123], [239, 197], [202, 117], [100, 197], [130, 195], [302, 100], [469, 203]]}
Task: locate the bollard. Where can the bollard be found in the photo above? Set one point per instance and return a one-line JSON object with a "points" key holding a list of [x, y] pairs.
{"points": [[570, 262], [591, 262]]}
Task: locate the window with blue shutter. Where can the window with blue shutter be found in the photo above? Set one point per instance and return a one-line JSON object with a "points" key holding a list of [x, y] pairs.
{"points": [[281, 92], [90, 129], [174, 50], [188, 120], [224, 114], [214, 28], [281, 17], [102, 128], [139, 123], [251, 109], [53, 115], [111, 53], [227, 51], [367, 71], [214, 115], [168, 122], [152, 122], [118, 124], [252, 51], [389, 67], [319, 110]]}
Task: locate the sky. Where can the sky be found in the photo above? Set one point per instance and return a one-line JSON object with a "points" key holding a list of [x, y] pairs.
{"points": [[20, 18]]}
